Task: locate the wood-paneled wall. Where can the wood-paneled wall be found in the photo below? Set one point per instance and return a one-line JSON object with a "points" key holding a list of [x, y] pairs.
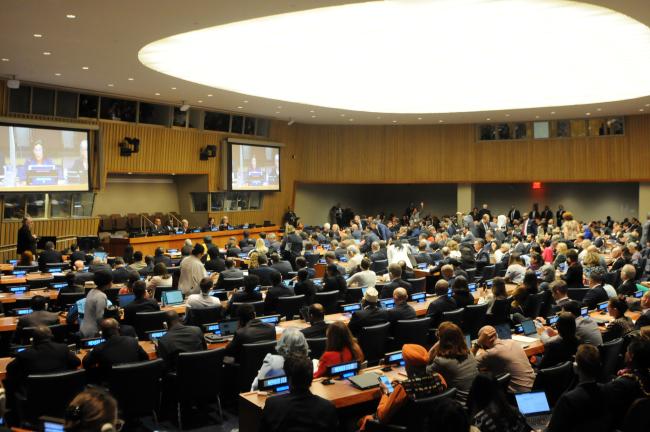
{"points": [[66, 231]]}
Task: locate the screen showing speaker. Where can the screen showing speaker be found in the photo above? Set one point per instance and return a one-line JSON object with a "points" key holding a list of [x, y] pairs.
{"points": [[254, 167], [37, 159]]}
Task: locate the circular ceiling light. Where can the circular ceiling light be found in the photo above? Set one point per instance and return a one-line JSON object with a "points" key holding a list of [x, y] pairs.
{"points": [[423, 56]]}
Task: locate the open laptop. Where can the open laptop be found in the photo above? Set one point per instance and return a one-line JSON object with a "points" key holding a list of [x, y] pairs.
{"points": [[172, 298], [534, 407], [387, 303], [125, 299], [526, 332]]}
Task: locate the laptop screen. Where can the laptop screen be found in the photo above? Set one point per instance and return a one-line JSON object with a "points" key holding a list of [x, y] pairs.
{"points": [[174, 297], [270, 319], [423, 266], [157, 334], [101, 255], [419, 297], [468, 341], [552, 319], [228, 327], [532, 403], [125, 299], [638, 294], [472, 287], [529, 327], [54, 270], [602, 306], [584, 311], [351, 307], [23, 311], [387, 303], [58, 285]]}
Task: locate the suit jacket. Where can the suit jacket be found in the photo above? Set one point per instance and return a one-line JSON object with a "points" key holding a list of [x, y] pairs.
{"points": [[139, 305], [77, 256], [233, 273], [531, 228], [215, 264], [387, 290], [116, 350], [514, 214], [121, 274], [423, 257], [558, 350], [594, 296], [481, 230], [336, 283], [628, 287], [272, 296], [403, 311], [618, 264], [438, 306], [573, 276], [643, 320], [25, 241], [298, 412], [284, 267], [316, 330], [162, 259], [254, 331], [585, 408], [37, 318], [369, 316], [42, 357], [306, 288], [179, 339], [384, 232], [47, 257], [245, 297], [246, 243], [264, 273]]}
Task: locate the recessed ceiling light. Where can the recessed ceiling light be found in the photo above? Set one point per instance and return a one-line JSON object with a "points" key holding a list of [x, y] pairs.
{"points": [[71, 16], [57, 74], [130, 79], [277, 112], [351, 119], [552, 112], [599, 109], [173, 88], [240, 107], [419, 118], [38, 35], [46, 53], [587, 113], [4, 59], [394, 121], [441, 121], [378, 117], [157, 94], [648, 105], [641, 109], [245, 101], [311, 111], [487, 119], [200, 101], [536, 117], [507, 115], [307, 78], [85, 67], [279, 106], [313, 116], [342, 115], [210, 95], [111, 85]]}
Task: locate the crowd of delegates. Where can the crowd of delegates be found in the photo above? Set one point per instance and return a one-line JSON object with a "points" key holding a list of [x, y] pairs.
{"points": [[537, 251]]}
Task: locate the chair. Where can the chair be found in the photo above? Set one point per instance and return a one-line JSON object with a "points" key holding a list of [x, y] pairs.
{"points": [[203, 315], [375, 426], [137, 387], [577, 294], [421, 409], [471, 274], [354, 295], [65, 300], [418, 284], [455, 316], [39, 397], [414, 331], [554, 381], [62, 265], [329, 300], [59, 333], [540, 303], [500, 313], [610, 355], [380, 267], [500, 269], [148, 321], [113, 294], [489, 271], [160, 290], [316, 347], [311, 259], [504, 381], [231, 284], [258, 306], [637, 419], [289, 307], [374, 341], [197, 379], [474, 319], [251, 360]]}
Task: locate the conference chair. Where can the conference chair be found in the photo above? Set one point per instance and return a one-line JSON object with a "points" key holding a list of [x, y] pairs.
{"points": [[637, 418], [65, 300], [329, 300], [59, 333], [540, 303], [197, 379], [455, 316], [380, 267], [374, 342], [577, 294], [414, 331], [251, 360], [258, 306], [500, 269], [375, 426], [113, 294], [554, 381], [148, 321], [316, 347], [504, 381], [354, 295], [488, 272], [198, 316], [290, 306], [613, 278], [137, 388], [418, 284], [611, 358], [230, 284], [40, 283], [63, 266], [312, 259], [420, 409], [500, 313], [471, 274], [39, 399], [474, 319]]}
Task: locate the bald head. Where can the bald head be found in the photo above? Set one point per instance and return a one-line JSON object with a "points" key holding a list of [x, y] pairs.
{"points": [[172, 318], [41, 333], [487, 336], [447, 271], [441, 288], [78, 265], [400, 295], [110, 327]]}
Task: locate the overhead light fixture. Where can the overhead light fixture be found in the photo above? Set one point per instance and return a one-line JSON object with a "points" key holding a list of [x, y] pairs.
{"points": [[130, 79], [240, 107], [57, 74], [46, 53], [157, 94], [210, 95], [173, 88], [111, 85], [245, 101], [71, 16], [5, 59], [38, 35], [291, 121], [412, 82], [200, 101], [552, 112], [588, 114], [184, 107], [85, 67]]}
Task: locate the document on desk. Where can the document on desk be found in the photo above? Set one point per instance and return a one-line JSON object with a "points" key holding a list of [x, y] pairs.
{"points": [[523, 339]]}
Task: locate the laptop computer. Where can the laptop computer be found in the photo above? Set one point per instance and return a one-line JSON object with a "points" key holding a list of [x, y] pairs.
{"points": [[365, 381], [101, 255], [172, 298], [419, 297], [387, 303], [270, 319], [154, 335], [125, 299], [351, 307], [534, 407], [526, 332]]}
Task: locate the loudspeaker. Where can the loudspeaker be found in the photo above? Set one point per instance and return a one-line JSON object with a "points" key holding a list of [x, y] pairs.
{"points": [[208, 152]]}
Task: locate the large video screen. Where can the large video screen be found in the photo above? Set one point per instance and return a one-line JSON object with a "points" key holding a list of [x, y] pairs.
{"points": [[38, 159], [254, 167]]}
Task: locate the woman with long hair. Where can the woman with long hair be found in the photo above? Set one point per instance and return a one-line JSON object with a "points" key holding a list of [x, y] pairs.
{"points": [[340, 347]]}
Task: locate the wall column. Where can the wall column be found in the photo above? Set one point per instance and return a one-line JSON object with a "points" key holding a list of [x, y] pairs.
{"points": [[644, 201], [464, 197]]}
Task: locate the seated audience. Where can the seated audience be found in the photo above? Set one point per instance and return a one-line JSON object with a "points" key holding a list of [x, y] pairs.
{"points": [[138, 262], [264, 272], [573, 275], [141, 303], [395, 274], [363, 278], [275, 291], [305, 286], [489, 409], [231, 272], [283, 266], [204, 299], [500, 356], [301, 263], [74, 286], [334, 281], [216, 263], [596, 293], [160, 257], [299, 410], [92, 410], [178, 339], [628, 285], [442, 303], [250, 330], [559, 292], [249, 293], [559, 346], [644, 318], [497, 292], [370, 313], [622, 324], [292, 342], [76, 254], [121, 272], [516, 270], [39, 315], [340, 347], [317, 325], [402, 310], [461, 294], [49, 256], [453, 360]]}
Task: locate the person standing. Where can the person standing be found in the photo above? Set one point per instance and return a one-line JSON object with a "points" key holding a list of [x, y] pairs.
{"points": [[26, 240]]}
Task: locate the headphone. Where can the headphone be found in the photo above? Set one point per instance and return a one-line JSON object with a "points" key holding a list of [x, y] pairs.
{"points": [[73, 414]]}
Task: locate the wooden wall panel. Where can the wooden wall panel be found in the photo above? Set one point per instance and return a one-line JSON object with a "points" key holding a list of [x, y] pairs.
{"points": [[66, 231]]}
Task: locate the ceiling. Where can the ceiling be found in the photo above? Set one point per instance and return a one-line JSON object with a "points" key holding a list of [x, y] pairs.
{"points": [[106, 37]]}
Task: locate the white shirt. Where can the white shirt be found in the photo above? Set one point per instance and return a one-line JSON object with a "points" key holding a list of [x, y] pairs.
{"points": [[202, 300], [192, 271], [366, 278], [396, 255]]}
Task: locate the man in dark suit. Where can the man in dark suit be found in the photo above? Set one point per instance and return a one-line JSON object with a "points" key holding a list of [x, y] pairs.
{"points": [[274, 292], [305, 286], [377, 253], [283, 266], [368, 239], [246, 241], [381, 230], [482, 256], [49, 256], [483, 226], [178, 339], [26, 241], [231, 272], [317, 325], [528, 226], [547, 213], [140, 304], [301, 263], [573, 275], [369, 315], [299, 410], [618, 259], [250, 330], [395, 273], [628, 286], [38, 317], [514, 214], [121, 273], [44, 356], [596, 293], [215, 263], [264, 272], [423, 256], [402, 310], [76, 254], [443, 303], [159, 256], [116, 350]]}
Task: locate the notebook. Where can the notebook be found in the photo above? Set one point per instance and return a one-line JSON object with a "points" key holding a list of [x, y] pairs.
{"points": [[534, 407], [365, 380]]}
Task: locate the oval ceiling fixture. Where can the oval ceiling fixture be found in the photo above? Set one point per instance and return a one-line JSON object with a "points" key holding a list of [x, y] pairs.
{"points": [[421, 56]]}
